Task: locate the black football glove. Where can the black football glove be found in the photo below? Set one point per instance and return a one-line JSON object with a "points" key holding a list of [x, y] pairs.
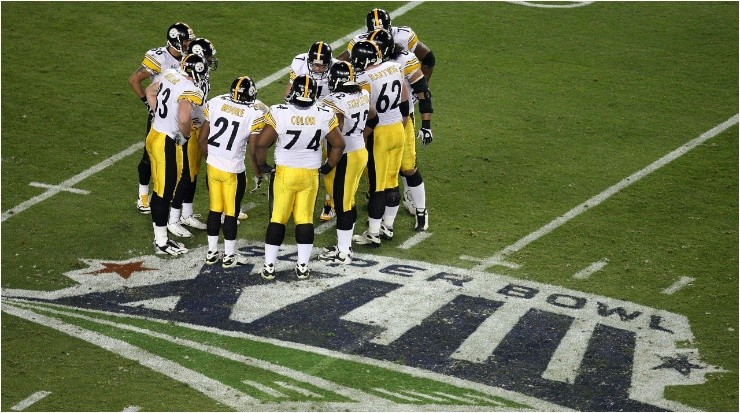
{"points": [[425, 135]]}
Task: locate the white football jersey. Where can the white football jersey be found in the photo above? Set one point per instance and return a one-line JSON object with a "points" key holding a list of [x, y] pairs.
{"points": [[173, 87], [355, 108], [384, 82], [402, 35], [409, 64], [300, 133], [158, 60], [231, 123], [299, 67]]}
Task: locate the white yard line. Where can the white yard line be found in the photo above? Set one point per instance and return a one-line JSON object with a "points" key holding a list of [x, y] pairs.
{"points": [[682, 282], [69, 183], [552, 6], [415, 239], [603, 196], [591, 269], [28, 401]]}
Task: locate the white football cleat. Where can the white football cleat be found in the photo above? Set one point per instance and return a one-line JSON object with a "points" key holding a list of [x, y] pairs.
{"points": [[408, 203], [173, 248], [386, 232], [268, 271], [327, 213], [301, 271], [332, 255], [233, 260], [242, 215], [193, 222], [422, 220], [178, 230], [366, 238]]}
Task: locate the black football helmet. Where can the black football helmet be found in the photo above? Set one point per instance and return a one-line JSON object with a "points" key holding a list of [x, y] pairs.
{"points": [[365, 53], [319, 60], [204, 48], [178, 37], [304, 91], [378, 19], [341, 73], [196, 67], [384, 40], [243, 90]]}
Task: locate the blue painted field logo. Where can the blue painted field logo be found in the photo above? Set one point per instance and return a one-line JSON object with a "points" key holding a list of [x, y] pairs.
{"points": [[545, 343]]}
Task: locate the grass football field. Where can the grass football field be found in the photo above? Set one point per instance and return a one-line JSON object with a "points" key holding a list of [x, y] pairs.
{"points": [[582, 252]]}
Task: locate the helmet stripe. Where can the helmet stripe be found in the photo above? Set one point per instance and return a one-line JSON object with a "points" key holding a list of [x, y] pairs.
{"points": [[377, 18], [236, 89], [306, 90], [318, 53]]}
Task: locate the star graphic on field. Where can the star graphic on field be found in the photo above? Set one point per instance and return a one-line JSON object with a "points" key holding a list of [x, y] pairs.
{"points": [[680, 363], [124, 270]]}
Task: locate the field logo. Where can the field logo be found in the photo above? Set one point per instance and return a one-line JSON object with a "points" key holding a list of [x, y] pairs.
{"points": [[547, 343]]}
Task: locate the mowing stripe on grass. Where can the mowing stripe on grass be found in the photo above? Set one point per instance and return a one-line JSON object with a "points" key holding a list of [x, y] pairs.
{"points": [[606, 194], [28, 401], [139, 145]]}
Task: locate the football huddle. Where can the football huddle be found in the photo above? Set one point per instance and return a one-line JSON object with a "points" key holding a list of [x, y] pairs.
{"points": [[343, 119]]}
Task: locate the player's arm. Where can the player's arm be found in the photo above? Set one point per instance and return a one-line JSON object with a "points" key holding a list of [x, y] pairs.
{"points": [[151, 95], [336, 140], [420, 88], [136, 79], [205, 130], [372, 122], [184, 117], [266, 138], [426, 57], [405, 103]]}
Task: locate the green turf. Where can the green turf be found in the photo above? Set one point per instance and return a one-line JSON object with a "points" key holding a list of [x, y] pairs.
{"points": [[536, 111]]}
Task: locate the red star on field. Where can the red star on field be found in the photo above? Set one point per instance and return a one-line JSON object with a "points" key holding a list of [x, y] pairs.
{"points": [[124, 270]]}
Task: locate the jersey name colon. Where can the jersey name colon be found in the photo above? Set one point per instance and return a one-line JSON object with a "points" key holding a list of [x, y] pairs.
{"points": [[300, 132], [231, 123], [355, 108], [173, 87], [384, 82], [158, 60]]}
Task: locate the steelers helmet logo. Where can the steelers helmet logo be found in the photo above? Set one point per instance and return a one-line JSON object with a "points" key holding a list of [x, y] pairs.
{"points": [[198, 49], [173, 33], [200, 67], [252, 90]]}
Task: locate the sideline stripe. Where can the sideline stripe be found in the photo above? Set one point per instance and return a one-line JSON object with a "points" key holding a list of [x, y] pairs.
{"points": [[603, 196], [28, 401], [139, 145]]}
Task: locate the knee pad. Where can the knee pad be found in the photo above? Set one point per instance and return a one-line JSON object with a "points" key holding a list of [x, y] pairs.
{"points": [[275, 233], [304, 234], [415, 179], [392, 197]]}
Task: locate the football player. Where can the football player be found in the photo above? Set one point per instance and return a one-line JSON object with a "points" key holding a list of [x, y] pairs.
{"points": [[297, 130], [389, 95], [181, 210], [173, 100], [403, 35], [316, 63], [155, 62], [235, 118], [351, 104], [417, 83]]}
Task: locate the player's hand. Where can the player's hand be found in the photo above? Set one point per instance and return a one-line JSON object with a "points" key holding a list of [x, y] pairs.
{"points": [[425, 135], [180, 139], [266, 169], [325, 168]]}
